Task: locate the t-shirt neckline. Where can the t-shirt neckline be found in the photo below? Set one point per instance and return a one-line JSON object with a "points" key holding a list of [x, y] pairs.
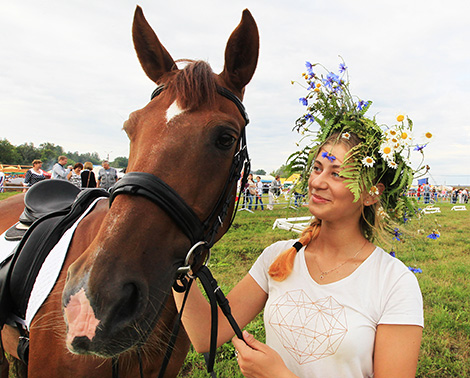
{"points": [[303, 262]]}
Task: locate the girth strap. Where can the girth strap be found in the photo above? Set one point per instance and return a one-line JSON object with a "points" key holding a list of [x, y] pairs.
{"points": [[164, 196]]}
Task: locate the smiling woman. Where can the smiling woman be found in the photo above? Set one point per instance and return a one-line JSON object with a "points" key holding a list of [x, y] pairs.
{"points": [[335, 304]]}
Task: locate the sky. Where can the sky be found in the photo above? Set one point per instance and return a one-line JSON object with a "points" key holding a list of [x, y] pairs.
{"points": [[69, 74]]}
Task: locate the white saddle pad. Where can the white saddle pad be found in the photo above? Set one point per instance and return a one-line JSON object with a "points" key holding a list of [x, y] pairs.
{"points": [[50, 269]]}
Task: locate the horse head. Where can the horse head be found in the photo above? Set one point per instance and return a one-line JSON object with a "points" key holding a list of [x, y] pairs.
{"points": [[187, 136]]}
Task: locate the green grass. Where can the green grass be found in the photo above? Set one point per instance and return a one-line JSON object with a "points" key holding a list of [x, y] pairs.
{"points": [[5, 195], [445, 284]]}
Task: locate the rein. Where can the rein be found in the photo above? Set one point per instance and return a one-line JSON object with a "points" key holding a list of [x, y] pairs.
{"points": [[200, 233]]}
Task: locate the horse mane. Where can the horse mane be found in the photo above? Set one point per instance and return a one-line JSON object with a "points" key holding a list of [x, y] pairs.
{"points": [[195, 85]]}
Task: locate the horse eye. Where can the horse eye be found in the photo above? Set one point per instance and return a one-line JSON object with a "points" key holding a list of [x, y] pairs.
{"points": [[225, 141]]}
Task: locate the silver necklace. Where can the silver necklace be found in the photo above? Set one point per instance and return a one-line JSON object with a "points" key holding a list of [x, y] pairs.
{"points": [[325, 273]]}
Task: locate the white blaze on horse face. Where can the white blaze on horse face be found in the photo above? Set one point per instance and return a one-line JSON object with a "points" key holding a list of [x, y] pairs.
{"points": [[173, 111]]}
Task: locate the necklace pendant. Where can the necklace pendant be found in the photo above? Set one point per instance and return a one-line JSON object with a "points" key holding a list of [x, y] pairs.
{"points": [[322, 276]]}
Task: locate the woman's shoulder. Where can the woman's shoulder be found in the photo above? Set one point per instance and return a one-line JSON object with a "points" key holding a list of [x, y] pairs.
{"points": [[272, 251], [388, 265]]}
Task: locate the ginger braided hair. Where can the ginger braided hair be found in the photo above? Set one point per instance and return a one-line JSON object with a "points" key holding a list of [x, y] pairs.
{"points": [[282, 266]]}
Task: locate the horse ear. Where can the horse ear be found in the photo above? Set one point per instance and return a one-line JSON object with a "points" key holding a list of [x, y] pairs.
{"points": [[153, 57], [241, 53]]}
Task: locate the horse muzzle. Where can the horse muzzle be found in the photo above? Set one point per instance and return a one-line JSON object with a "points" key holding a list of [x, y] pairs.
{"points": [[110, 320]]}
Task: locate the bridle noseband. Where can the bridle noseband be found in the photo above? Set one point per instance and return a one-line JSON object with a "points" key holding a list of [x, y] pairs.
{"points": [[200, 233]]}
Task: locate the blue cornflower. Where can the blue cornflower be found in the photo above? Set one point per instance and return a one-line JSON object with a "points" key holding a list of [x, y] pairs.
{"points": [[337, 89], [415, 270], [420, 148], [433, 235], [362, 104], [392, 253], [326, 155], [309, 117], [331, 78], [342, 67], [303, 101], [310, 72], [397, 234]]}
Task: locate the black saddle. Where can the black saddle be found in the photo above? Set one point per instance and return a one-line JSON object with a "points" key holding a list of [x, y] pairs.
{"points": [[18, 272], [45, 197]]}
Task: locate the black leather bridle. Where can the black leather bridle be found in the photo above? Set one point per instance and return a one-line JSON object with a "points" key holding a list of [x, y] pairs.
{"points": [[200, 233]]}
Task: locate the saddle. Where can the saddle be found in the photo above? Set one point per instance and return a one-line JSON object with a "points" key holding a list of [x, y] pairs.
{"points": [[43, 198], [19, 270]]}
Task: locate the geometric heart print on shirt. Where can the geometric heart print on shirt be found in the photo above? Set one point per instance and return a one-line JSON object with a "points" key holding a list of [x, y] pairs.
{"points": [[308, 330]]}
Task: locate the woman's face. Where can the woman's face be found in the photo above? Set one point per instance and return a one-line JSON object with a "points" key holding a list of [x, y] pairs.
{"points": [[77, 170], [329, 198]]}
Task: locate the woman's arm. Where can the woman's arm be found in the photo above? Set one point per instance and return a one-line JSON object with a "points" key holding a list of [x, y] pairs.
{"points": [[246, 299], [396, 350]]}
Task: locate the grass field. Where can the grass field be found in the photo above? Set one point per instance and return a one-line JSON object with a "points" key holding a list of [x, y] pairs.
{"points": [[444, 281]]}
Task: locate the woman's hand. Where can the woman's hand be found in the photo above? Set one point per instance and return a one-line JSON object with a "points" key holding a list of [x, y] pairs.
{"points": [[257, 360]]}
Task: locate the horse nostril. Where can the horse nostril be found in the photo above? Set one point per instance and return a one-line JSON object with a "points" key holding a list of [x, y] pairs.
{"points": [[129, 304]]}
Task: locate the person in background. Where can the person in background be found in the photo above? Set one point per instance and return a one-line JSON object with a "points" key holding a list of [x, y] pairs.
{"points": [[2, 181], [259, 193], [33, 175], [107, 176], [274, 191], [74, 175], [249, 192], [59, 172], [88, 176]]}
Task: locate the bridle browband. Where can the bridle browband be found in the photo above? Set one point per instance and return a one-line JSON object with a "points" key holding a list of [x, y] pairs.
{"points": [[201, 234]]}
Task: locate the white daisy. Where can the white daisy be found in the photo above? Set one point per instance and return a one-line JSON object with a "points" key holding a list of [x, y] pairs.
{"points": [[381, 212], [386, 151], [392, 164], [391, 133], [368, 161], [374, 191], [428, 137], [346, 135], [405, 138]]}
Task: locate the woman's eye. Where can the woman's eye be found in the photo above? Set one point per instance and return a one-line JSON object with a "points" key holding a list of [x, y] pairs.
{"points": [[226, 141]]}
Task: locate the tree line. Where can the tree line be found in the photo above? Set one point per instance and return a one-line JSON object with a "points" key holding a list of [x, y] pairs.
{"points": [[25, 153]]}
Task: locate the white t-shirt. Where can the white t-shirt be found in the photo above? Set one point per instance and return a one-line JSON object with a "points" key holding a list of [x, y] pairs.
{"points": [[329, 330]]}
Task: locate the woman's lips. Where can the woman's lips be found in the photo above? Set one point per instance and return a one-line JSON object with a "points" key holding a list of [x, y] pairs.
{"points": [[319, 199]]}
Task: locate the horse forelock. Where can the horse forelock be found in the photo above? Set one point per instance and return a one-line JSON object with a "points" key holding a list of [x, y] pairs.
{"points": [[195, 86]]}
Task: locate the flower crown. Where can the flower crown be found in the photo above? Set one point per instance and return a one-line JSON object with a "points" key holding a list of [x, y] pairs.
{"points": [[382, 156]]}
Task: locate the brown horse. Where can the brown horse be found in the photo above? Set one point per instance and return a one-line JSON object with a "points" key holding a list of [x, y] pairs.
{"points": [[114, 288]]}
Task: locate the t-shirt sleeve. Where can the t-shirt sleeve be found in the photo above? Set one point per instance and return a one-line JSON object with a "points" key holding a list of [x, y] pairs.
{"points": [[404, 302], [259, 270]]}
